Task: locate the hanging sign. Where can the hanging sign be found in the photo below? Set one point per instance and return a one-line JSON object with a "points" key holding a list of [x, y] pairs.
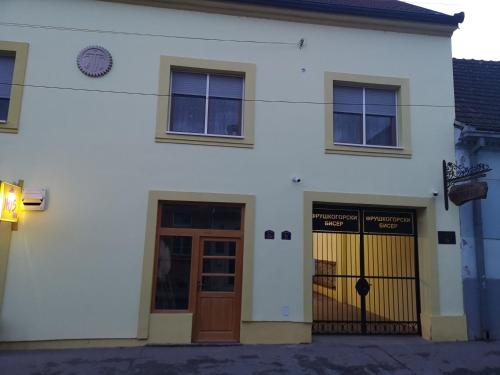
{"points": [[460, 194], [463, 193], [335, 220], [387, 222], [10, 202]]}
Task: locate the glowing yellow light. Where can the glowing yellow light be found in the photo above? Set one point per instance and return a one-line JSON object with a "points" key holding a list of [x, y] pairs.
{"points": [[10, 202], [11, 198]]}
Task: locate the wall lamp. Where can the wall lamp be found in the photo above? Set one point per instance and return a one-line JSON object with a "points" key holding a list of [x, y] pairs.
{"points": [[10, 201]]}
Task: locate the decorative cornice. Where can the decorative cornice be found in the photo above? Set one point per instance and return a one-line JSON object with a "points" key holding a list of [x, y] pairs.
{"points": [[302, 16]]}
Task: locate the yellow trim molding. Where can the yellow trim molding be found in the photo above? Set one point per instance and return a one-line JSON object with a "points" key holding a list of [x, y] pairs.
{"points": [[176, 327], [20, 52], [275, 333], [403, 114], [321, 18], [170, 328], [251, 333], [427, 247], [167, 63], [5, 235], [71, 344], [444, 328]]}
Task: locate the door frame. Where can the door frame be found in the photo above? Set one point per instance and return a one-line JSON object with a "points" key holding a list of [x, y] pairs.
{"points": [[177, 327], [427, 249]]}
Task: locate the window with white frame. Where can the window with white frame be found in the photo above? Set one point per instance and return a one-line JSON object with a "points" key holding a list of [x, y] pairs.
{"points": [[206, 104], [365, 116]]}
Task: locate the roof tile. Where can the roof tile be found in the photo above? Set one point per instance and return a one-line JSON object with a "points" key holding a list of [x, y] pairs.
{"points": [[390, 9], [477, 93]]}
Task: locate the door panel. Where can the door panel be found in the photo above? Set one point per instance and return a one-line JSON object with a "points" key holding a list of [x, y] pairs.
{"points": [[218, 307]]}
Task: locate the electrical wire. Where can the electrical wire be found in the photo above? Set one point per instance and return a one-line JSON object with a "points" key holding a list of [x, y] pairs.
{"points": [[138, 93], [117, 32]]}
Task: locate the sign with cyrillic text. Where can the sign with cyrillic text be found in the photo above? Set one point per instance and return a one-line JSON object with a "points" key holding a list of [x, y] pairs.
{"points": [[335, 220], [387, 222]]}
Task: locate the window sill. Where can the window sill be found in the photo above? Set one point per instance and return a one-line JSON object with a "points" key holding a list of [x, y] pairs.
{"points": [[5, 127], [153, 311], [394, 152], [204, 140]]}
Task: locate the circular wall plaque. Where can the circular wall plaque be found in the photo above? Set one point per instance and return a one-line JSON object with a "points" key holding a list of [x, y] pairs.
{"points": [[94, 61]]}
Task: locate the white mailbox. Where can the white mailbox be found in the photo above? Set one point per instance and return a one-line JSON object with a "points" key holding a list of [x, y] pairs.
{"points": [[34, 199]]}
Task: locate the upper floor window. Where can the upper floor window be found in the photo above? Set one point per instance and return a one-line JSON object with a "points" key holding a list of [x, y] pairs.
{"points": [[13, 58], [365, 116], [6, 74], [206, 103]]}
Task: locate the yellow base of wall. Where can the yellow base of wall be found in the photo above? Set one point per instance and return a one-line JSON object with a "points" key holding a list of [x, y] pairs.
{"points": [[444, 328], [170, 328], [179, 332], [71, 344], [275, 333], [435, 328], [5, 234]]}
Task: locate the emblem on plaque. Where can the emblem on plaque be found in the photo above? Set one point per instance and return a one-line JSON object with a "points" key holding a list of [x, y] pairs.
{"points": [[94, 61]]}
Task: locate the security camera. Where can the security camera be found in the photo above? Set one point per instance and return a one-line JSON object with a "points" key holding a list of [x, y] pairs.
{"points": [[435, 193], [296, 179]]}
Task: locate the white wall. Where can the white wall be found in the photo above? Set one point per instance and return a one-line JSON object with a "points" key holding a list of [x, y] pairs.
{"points": [[74, 270]]}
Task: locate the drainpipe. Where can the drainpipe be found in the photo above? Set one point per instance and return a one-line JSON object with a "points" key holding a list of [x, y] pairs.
{"points": [[477, 217]]}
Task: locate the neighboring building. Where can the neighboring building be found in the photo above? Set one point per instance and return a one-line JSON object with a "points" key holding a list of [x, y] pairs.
{"points": [[202, 190], [477, 97]]}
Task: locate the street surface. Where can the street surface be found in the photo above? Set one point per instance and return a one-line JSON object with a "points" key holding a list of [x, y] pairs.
{"points": [[350, 355]]}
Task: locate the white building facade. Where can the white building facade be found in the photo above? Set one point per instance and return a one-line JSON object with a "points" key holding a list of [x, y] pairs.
{"points": [[133, 193]]}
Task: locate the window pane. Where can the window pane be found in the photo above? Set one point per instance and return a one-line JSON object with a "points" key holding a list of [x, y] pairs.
{"points": [[218, 265], [188, 102], [380, 102], [228, 218], [217, 283], [187, 114], [226, 87], [381, 130], [201, 217], [221, 248], [224, 116], [4, 109], [347, 99], [6, 74], [172, 273], [348, 128], [189, 83]]}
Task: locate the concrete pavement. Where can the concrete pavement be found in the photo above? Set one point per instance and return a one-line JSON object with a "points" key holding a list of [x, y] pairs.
{"points": [[326, 355]]}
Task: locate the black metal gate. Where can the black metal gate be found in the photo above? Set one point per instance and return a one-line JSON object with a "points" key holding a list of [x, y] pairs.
{"points": [[365, 271]]}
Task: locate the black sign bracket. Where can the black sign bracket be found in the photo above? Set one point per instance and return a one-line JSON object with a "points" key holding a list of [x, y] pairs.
{"points": [[454, 173]]}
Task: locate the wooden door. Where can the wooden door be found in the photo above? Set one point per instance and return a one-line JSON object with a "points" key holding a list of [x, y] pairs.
{"points": [[218, 305]]}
